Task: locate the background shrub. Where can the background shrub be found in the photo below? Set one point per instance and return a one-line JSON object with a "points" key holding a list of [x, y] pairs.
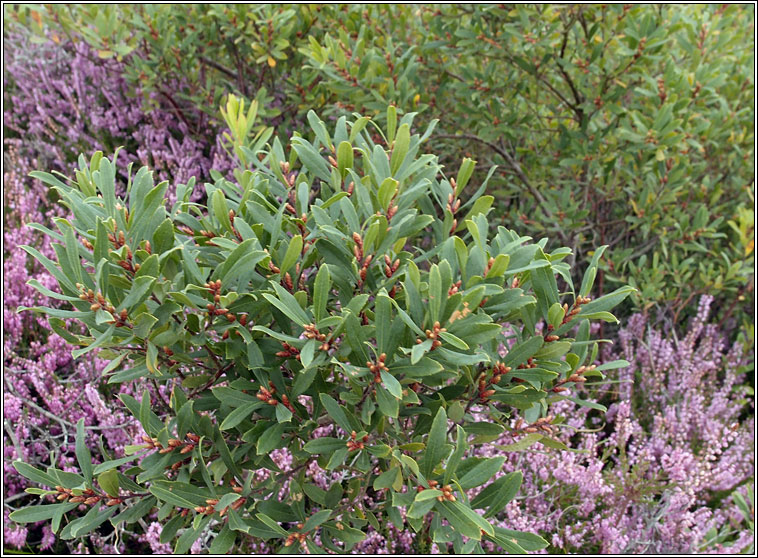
{"points": [[617, 124]]}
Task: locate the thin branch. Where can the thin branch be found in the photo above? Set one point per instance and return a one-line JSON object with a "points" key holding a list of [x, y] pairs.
{"points": [[516, 169]]}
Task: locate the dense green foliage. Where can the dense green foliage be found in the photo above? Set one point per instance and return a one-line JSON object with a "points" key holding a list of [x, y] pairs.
{"points": [[259, 310], [630, 126]]}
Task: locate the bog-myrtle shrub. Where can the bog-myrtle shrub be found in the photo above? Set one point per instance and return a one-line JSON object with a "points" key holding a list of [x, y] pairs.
{"points": [[339, 301]]}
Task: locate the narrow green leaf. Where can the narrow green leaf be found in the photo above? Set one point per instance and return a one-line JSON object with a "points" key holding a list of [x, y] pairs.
{"points": [[108, 481], [391, 384], [496, 496], [335, 411], [400, 148], [321, 290], [436, 443], [294, 249], [83, 456]]}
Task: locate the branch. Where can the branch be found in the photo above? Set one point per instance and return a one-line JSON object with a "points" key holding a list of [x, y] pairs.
{"points": [[516, 169], [216, 66]]}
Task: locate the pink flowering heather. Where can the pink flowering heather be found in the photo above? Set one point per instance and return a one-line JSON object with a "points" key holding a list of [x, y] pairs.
{"points": [[676, 435]]}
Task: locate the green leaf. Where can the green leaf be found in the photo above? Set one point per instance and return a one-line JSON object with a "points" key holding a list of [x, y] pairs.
{"points": [[420, 508], [316, 519], [224, 541], [496, 496], [324, 445], [335, 411], [34, 474], [288, 305], [221, 210], [587, 403], [190, 535], [427, 494], [467, 522], [400, 148], [293, 253], [283, 414], [392, 385], [83, 455], [604, 316], [387, 478], [388, 404], [605, 303], [383, 322], [93, 519], [168, 495], [270, 439], [391, 122], [321, 292], [436, 447], [236, 416], [32, 514], [424, 367], [523, 443], [589, 275], [464, 174], [461, 445], [108, 481], [453, 340], [344, 157], [482, 472], [527, 541], [387, 190], [337, 459], [271, 523], [522, 351], [419, 350], [435, 293], [103, 338]]}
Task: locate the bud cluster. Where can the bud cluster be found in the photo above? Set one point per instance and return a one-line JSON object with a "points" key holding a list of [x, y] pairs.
{"points": [[364, 262], [458, 314], [299, 537], [528, 364], [213, 308], [208, 235], [312, 333], [97, 301], [575, 309], [289, 177], [455, 287], [447, 491], [377, 368], [661, 89], [433, 334], [390, 267], [234, 229], [267, 395], [288, 351], [541, 424], [490, 263], [210, 507], [577, 377], [88, 496], [353, 444], [453, 205], [549, 336], [187, 445]]}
